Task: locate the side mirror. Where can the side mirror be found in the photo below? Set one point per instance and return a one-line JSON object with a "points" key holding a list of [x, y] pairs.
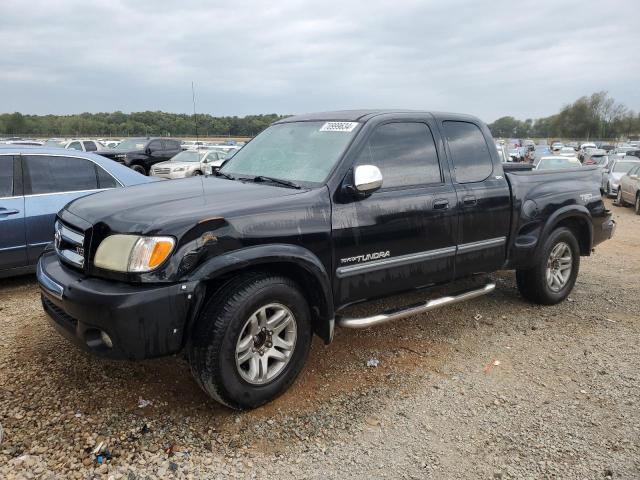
{"points": [[367, 179]]}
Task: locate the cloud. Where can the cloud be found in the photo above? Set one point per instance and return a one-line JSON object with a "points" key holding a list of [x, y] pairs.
{"points": [[525, 59]]}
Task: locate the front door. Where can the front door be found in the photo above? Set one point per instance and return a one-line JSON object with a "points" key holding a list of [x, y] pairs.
{"points": [[484, 202], [403, 235], [13, 252]]}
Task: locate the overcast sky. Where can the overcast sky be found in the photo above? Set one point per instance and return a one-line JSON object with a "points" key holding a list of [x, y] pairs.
{"points": [[489, 58]]}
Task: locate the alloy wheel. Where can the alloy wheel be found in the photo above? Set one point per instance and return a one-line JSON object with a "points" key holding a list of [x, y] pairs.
{"points": [[266, 343], [559, 265]]}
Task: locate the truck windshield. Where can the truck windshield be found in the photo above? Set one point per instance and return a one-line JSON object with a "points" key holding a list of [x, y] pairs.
{"points": [[300, 152]]}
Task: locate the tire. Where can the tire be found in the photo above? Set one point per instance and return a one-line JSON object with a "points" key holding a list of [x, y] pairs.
{"points": [[139, 169], [197, 173], [619, 201], [637, 205], [534, 284], [216, 341], [608, 191]]}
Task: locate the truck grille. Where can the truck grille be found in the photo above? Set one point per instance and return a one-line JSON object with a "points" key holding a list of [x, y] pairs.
{"points": [[69, 245]]}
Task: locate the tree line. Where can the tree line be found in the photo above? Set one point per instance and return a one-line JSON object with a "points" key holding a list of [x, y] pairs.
{"points": [[590, 117], [596, 117], [119, 124]]}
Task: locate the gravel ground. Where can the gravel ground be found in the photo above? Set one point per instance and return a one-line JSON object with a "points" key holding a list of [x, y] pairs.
{"points": [[494, 388]]}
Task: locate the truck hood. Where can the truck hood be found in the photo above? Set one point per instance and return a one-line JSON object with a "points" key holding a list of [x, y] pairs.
{"points": [[173, 206]]}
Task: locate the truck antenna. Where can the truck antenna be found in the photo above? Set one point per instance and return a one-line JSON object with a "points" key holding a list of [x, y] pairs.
{"points": [[195, 117]]}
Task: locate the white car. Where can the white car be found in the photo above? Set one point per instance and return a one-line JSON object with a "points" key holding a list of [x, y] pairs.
{"points": [[556, 162], [85, 145], [189, 163], [555, 146], [567, 152]]}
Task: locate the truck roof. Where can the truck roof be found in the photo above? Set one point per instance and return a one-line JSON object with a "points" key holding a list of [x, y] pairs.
{"points": [[366, 114]]}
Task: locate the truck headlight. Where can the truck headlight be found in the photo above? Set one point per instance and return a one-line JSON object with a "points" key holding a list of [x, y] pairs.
{"points": [[133, 253]]}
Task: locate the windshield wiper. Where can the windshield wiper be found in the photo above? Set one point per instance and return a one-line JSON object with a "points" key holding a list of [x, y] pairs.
{"points": [[218, 173], [286, 183]]}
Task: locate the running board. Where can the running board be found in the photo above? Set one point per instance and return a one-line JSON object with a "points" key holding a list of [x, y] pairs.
{"points": [[415, 309]]}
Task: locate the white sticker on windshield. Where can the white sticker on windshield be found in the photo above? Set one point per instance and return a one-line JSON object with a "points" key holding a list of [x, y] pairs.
{"points": [[339, 126]]}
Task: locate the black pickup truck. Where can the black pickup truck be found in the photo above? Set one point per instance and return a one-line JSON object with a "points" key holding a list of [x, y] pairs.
{"points": [[140, 154], [316, 213]]}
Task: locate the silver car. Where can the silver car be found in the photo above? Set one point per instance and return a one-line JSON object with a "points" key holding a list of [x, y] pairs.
{"points": [[614, 171], [188, 163]]}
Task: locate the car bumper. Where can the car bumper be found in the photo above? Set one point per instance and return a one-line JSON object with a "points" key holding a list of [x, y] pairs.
{"points": [[604, 230], [114, 319]]}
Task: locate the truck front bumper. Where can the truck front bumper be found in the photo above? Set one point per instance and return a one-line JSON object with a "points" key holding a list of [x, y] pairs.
{"points": [[114, 319]]}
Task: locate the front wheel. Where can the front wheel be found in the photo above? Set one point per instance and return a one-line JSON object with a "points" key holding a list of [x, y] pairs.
{"points": [[637, 209], [619, 199], [139, 168], [553, 278], [251, 341]]}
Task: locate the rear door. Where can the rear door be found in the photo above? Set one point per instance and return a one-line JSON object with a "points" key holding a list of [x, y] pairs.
{"points": [[13, 251], [403, 235], [50, 182], [483, 196]]}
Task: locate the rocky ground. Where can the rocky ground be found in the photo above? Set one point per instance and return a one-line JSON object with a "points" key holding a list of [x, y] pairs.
{"points": [[494, 388]]}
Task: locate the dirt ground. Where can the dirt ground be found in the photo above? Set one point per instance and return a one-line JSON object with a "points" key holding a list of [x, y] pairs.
{"points": [[492, 388]]}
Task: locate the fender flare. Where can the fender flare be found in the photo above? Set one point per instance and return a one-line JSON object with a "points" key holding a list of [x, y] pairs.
{"points": [[570, 211], [317, 282]]}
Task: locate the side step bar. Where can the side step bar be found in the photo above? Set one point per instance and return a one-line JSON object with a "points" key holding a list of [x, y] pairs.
{"points": [[396, 314]]}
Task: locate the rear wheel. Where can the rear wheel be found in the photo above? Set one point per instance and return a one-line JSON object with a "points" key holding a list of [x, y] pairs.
{"points": [[553, 278], [251, 341], [637, 209], [139, 169], [197, 173], [619, 199]]}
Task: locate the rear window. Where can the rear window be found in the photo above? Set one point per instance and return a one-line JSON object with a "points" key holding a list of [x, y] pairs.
{"points": [[6, 175], [89, 146], [44, 174], [469, 151]]}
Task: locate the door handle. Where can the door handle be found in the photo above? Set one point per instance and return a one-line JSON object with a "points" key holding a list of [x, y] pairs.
{"points": [[469, 200], [441, 204], [6, 212]]}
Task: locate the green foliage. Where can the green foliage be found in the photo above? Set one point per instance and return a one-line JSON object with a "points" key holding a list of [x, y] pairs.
{"points": [[118, 124], [595, 117]]}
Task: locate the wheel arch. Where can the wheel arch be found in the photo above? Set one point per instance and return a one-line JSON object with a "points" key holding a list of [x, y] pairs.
{"points": [[292, 261], [577, 219]]}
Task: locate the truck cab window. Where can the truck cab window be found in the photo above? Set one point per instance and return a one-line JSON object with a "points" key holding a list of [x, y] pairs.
{"points": [[469, 151], [405, 153], [44, 174]]}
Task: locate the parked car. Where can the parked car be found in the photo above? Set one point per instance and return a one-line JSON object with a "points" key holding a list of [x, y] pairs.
{"points": [[111, 143], [140, 154], [596, 156], [188, 163], [612, 174], [567, 152], [85, 145], [557, 162], [35, 183], [502, 152], [584, 149], [24, 143], [556, 146], [55, 143], [316, 213], [629, 189]]}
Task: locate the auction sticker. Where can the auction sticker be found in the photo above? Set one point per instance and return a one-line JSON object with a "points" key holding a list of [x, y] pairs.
{"points": [[338, 126]]}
